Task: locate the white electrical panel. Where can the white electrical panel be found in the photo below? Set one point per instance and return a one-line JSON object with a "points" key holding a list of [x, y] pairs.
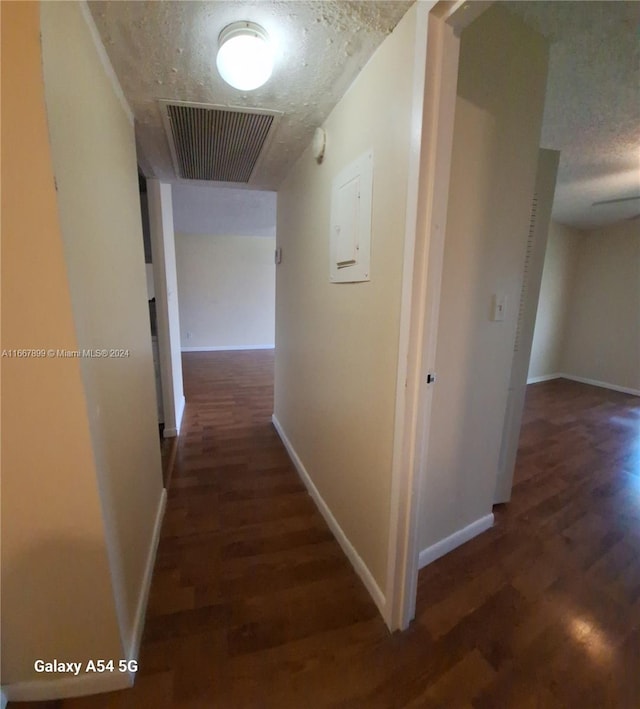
{"points": [[350, 237]]}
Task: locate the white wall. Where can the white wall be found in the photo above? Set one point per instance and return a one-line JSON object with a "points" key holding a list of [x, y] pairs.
{"points": [[337, 344], [225, 242], [553, 305], [602, 340], [57, 598], [495, 153], [222, 211], [226, 287], [588, 321], [94, 157], [165, 282]]}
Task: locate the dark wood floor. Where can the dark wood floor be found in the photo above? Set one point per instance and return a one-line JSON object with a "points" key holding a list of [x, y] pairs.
{"points": [[168, 450], [254, 605]]}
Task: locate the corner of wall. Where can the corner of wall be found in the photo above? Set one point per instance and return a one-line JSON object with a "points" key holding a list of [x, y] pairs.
{"points": [[337, 345], [106, 274], [497, 124], [53, 536], [104, 59], [167, 308], [601, 342]]}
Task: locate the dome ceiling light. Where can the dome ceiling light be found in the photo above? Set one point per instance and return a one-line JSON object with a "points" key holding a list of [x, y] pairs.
{"points": [[245, 56]]}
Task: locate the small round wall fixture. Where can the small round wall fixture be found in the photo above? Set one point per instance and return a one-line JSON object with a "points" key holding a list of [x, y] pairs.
{"points": [[319, 144], [245, 56]]}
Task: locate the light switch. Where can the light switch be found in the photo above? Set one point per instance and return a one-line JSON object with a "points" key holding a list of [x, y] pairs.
{"points": [[498, 308]]}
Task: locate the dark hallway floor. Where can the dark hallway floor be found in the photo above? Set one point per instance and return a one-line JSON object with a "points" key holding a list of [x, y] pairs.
{"points": [[254, 605]]}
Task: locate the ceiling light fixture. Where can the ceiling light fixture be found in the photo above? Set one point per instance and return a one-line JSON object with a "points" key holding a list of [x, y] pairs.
{"points": [[245, 56]]}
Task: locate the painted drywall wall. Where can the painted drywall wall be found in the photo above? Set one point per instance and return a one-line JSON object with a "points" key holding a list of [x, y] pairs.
{"points": [[167, 306], [57, 598], [501, 85], [94, 158], [222, 211], [588, 321], [553, 305], [226, 287], [225, 239], [337, 344], [602, 339]]}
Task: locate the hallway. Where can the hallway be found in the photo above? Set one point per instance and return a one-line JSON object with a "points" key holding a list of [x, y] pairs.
{"points": [[254, 605], [252, 597]]}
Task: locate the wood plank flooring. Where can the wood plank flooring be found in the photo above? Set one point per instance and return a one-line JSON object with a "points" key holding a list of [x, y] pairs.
{"points": [[254, 605], [168, 450]]}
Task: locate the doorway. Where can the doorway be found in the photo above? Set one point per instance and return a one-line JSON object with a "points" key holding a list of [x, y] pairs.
{"points": [[479, 179]]}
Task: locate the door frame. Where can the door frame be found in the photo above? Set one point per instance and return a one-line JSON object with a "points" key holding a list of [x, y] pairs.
{"points": [[427, 204], [546, 176]]}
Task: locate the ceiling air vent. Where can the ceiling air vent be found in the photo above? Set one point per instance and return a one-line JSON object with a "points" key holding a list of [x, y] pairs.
{"points": [[216, 142]]}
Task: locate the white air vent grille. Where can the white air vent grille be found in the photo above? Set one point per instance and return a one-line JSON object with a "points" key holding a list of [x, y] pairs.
{"points": [[216, 143]]}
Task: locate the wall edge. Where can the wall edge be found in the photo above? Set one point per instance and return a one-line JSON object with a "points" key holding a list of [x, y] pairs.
{"points": [[356, 561], [453, 541]]}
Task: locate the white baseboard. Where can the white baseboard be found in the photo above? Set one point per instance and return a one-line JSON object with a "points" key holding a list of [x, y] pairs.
{"points": [[180, 414], [228, 348], [173, 432], [444, 546], [603, 385], [38, 690], [353, 556], [584, 380], [141, 610], [543, 378], [96, 683]]}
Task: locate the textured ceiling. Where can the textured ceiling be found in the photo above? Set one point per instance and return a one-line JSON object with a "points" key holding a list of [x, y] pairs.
{"points": [[592, 109], [166, 50]]}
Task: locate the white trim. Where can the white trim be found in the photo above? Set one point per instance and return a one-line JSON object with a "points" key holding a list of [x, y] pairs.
{"points": [[440, 89], [3, 699], [95, 683], [143, 598], [104, 59], [160, 205], [173, 431], [353, 556], [180, 413], [444, 546], [543, 378], [584, 380], [603, 385], [227, 348], [400, 482], [36, 690]]}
